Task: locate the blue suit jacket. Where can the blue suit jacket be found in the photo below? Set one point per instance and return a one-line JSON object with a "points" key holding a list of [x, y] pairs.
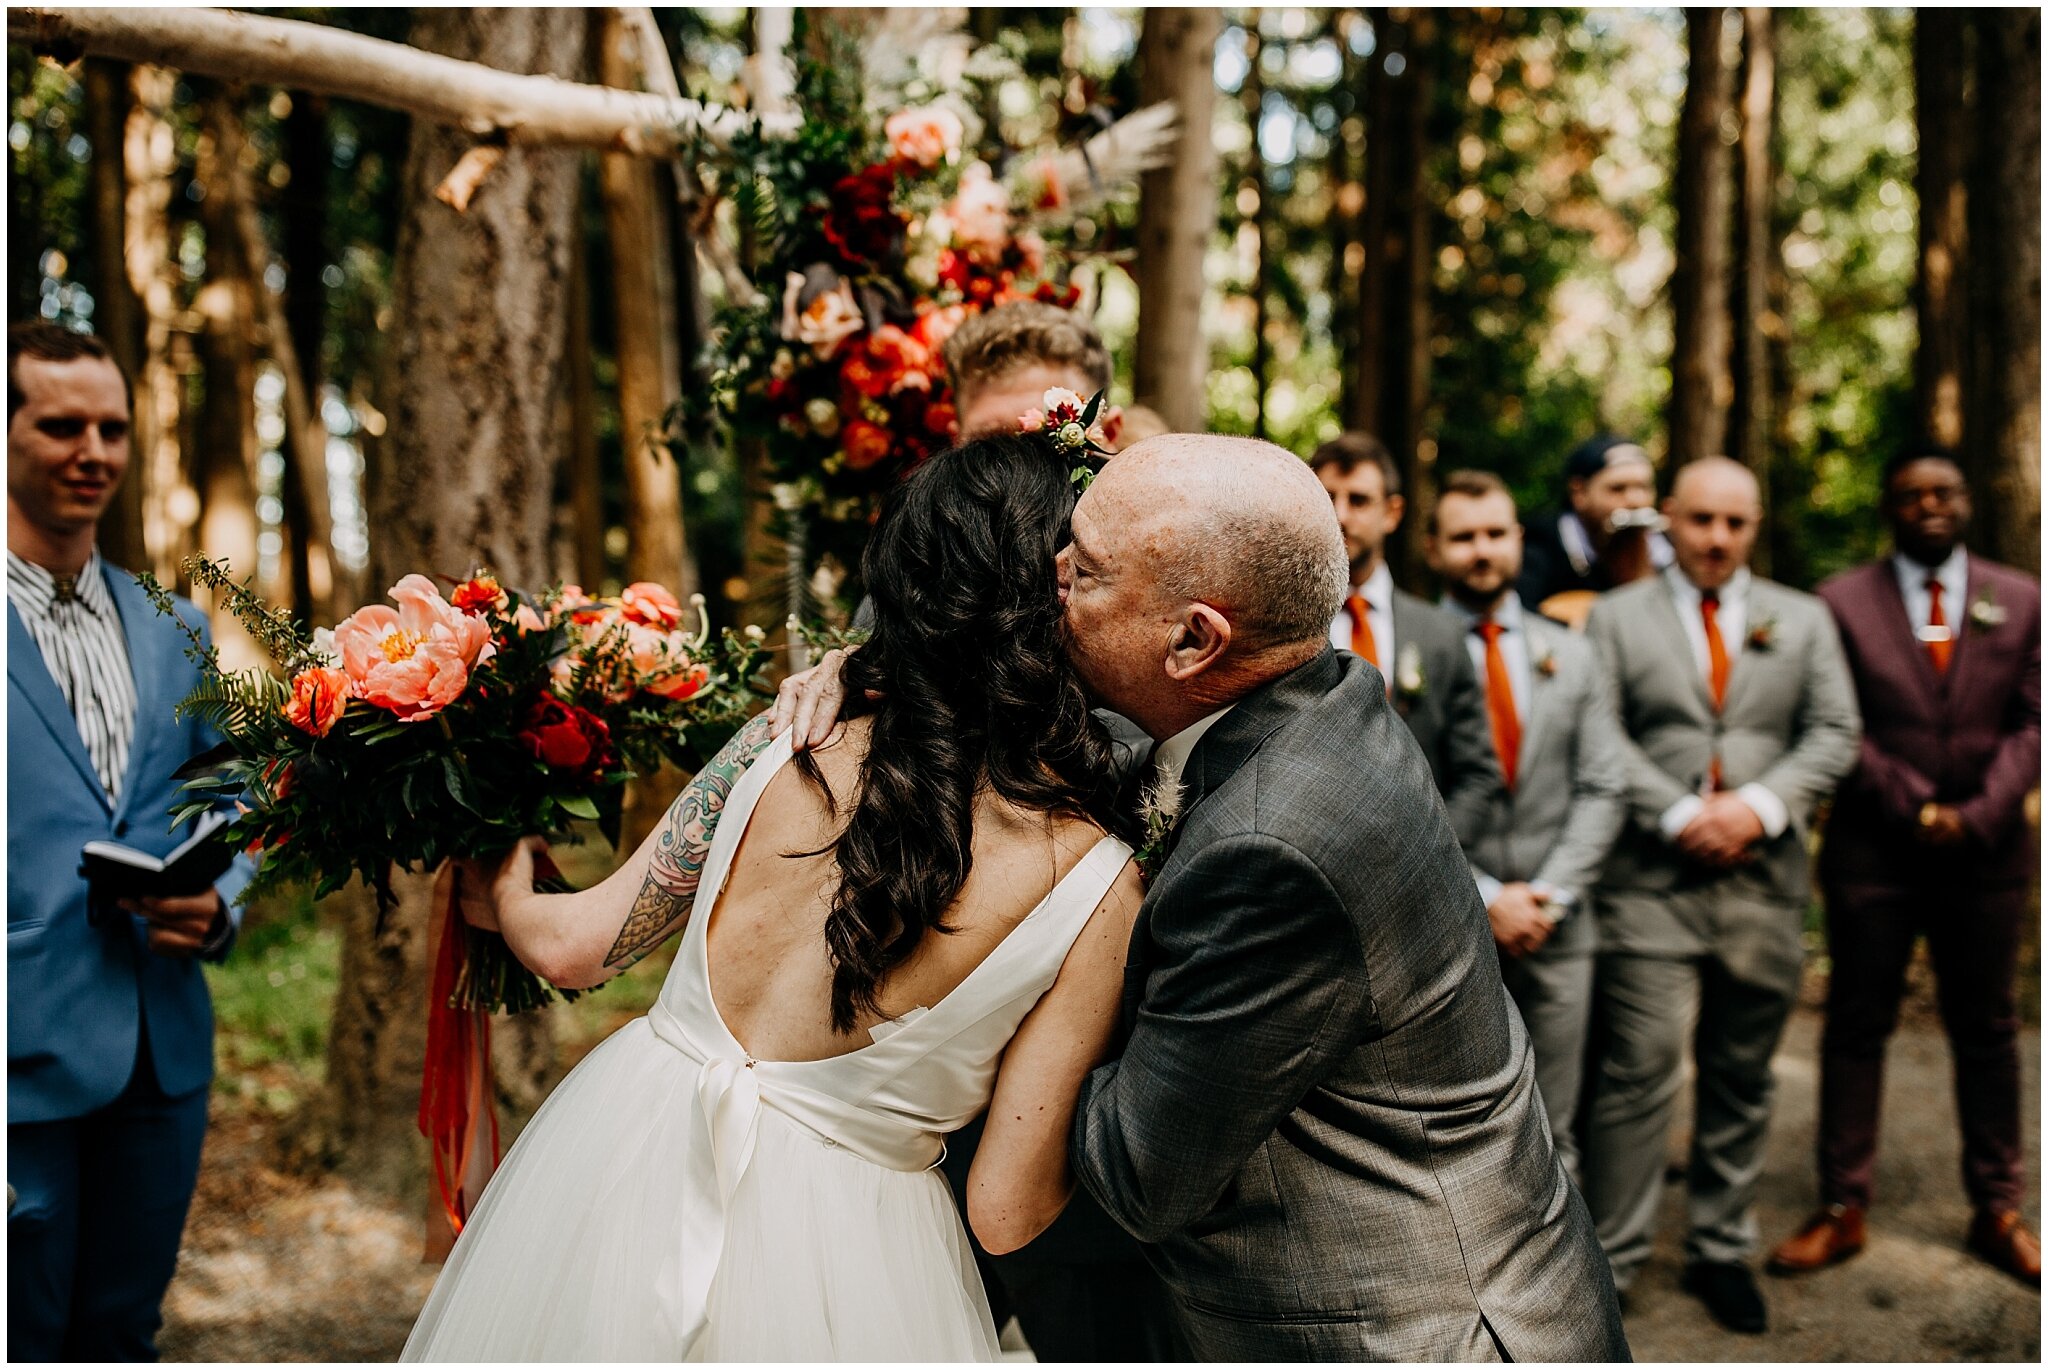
{"points": [[77, 995]]}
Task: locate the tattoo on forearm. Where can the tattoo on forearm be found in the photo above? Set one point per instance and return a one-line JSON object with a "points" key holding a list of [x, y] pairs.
{"points": [[678, 865]]}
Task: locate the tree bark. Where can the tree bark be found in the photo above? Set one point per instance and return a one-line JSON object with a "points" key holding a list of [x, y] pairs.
{"points": [[463, 478], [117, 316], [1701, 383], [1176, 219], [2008, 436], [650, 367], [224, 454], [1378, 97], [1254, 98], [305, 433], [1750, 428], [1941, 294], [306, 256], [585, 492], [769, 598], [490, 102], [170, 506]]}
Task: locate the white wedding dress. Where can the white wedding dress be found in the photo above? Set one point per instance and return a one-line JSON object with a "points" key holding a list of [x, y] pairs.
{"points": [[675, 1199]]}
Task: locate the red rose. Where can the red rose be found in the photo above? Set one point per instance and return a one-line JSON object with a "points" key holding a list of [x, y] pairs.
{"points": [[866, 444], [942, 419], [861, 372], [861, 222], [566, 738], [953, 269]]}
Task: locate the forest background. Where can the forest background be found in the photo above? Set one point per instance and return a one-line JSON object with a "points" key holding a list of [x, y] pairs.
{"points": [[1804, 237]]}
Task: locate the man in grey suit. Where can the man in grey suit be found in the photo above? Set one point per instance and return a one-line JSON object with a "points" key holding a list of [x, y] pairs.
{"points": [[1418, 648], [1560, 807], [1324, 1118], [1740, 717]]}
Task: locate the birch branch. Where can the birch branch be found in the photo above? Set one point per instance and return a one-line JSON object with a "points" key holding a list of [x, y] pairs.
{"points": [[502, 106]]}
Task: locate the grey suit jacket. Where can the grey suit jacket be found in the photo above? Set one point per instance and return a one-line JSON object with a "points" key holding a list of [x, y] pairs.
{"points": [[1448, 715], [1789, 723], [1568, 804], [1325, 1116]]}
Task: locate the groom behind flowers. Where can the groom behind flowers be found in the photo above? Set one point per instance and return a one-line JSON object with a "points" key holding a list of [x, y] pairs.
{"points": [[1003, 361]]}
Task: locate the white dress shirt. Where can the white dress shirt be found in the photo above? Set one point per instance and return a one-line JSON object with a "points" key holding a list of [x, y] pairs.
{"points": [[1170, 758], [1733, 621], [1954, 575], [1378, 593], [86, 652]]}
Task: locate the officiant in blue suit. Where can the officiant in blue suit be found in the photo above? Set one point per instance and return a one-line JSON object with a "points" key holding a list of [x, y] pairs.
{"points": [[109, 1026]]}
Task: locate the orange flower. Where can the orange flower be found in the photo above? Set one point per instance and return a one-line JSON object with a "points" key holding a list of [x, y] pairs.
{"points": [[866, 444], [319, 695], [478, 594], [645, 602]]}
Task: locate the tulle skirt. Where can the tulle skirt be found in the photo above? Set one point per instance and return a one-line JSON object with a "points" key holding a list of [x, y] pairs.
{"points": [[583, 1241]]}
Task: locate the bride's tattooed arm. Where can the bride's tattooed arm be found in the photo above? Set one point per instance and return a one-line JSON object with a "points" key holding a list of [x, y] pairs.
{"points": [[678, 862]]}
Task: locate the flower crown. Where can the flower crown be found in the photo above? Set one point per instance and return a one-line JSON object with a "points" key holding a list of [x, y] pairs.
{"points": [[1068, 423]]}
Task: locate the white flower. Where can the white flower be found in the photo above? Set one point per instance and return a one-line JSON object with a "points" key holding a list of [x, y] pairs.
{"points": [[324, 648], [1408, 676], [823, 416], [1063, 404], [1072, 435]]}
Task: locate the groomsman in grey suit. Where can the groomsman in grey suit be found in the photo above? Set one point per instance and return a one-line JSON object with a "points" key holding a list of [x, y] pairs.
{"points": [[1740, 717], [1561, 803], [1417, 647]]}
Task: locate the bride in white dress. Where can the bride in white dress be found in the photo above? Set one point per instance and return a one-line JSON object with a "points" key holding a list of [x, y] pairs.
{"points": [[879, 939]]}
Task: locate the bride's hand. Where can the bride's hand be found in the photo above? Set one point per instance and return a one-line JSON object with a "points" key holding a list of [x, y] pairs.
{"points": [[809, 702], [484, 891]]}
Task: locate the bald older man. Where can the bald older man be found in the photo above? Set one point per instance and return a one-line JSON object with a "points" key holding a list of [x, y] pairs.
{"points": [[1740, 717], [1324, 1120]]}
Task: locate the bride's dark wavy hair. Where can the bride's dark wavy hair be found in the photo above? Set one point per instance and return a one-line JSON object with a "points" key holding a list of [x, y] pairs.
{"points": [[967, 657]]}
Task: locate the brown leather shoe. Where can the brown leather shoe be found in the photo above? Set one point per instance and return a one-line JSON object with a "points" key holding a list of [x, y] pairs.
{"points": [[1833, 1234], [2003, 1240]]}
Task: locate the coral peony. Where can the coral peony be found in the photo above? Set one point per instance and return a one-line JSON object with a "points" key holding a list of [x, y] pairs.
{"points": [[319, 694], [924, 136], [980, 214], [414, 660], [645, 602]]}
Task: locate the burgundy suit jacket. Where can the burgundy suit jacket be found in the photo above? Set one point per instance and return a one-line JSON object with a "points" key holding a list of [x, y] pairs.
{"points": [[1970, 736]]}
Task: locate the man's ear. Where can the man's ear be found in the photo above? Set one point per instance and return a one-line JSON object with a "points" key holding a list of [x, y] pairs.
{"points": [[1197, 643], [1396, 507], [1111, 422]]}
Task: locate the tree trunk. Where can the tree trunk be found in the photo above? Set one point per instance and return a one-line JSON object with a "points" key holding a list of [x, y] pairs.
{"points": [[1940, 294], [117, 316], [1750, 428], [150, 156], [224, 455], [2007, 437], [463, 478], [650, 369], [1347, 200], [303, 206], [1378, 98], [585, 492], [1253, 95], [766, 557], [1701, 385], [1176, 219]]}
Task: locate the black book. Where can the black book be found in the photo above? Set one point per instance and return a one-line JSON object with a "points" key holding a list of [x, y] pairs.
{"points": [[121, 872]]}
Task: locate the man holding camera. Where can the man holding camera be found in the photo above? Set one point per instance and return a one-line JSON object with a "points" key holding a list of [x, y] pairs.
{"points": [[1610, 535]]}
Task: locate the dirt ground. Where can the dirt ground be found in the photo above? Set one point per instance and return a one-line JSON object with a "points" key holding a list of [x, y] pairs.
{"points": [[277, 1268]]}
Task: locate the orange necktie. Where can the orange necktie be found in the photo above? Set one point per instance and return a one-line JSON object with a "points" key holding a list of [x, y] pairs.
{"points": [[1717, 669], [1500, 702], [1939, 649], [1361, 630]]}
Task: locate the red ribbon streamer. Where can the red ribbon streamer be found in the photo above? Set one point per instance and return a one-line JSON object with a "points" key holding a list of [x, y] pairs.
{"points": [[455, 1093]]}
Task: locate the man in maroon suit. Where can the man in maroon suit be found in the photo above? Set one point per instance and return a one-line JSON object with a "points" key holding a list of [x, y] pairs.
{"points": [[1929, 838]]}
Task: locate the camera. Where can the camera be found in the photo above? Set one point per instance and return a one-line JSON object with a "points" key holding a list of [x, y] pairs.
{"points": [[1626, 520]]}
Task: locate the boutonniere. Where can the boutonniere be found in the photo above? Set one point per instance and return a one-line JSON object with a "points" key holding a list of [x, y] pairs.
{"points": [[1409, 681], [1159, 811], [1546, 665], [1763, 635], [1986, 612]]}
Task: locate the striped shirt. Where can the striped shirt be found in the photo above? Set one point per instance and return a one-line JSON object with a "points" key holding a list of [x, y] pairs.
{"points": [[74, 622]]}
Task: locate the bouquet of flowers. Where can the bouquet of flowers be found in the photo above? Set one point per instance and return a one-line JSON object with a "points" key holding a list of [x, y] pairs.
{"points": [[439, 727], [872, 233]]}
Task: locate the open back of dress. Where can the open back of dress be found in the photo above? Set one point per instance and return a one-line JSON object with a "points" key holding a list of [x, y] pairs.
{"points": [[676, 1199]]}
